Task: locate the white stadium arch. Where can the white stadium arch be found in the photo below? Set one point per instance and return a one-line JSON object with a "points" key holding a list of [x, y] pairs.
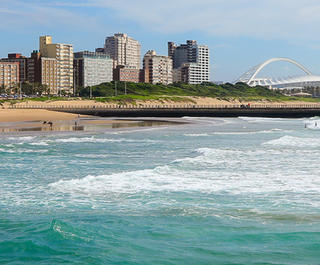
{"points": [[250, 77]]}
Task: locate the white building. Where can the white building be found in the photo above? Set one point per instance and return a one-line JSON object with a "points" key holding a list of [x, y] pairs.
{"points": [[92, 68], [63, 53], [124, 50], [157, 68], [191, 62]]}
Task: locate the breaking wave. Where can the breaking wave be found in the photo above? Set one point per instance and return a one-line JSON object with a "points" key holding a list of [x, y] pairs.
{"points": [[292, 141], [99, 140], [211, 171]]}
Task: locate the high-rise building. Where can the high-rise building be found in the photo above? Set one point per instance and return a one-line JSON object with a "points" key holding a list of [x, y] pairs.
{"points": [[92, 68], [126, 74], [22, 60], [63, 53], [124, 50], [43, 70], [9, 74], [191, 62], [157, 68]]}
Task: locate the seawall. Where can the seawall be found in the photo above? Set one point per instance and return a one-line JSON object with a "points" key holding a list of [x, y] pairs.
{"points": [[282, 111]]}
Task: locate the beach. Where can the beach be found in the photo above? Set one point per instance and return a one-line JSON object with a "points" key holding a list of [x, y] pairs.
{"points": [[35, 120], [29, 115]]}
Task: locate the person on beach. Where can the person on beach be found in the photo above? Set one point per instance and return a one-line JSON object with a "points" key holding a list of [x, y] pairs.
{"points": [[50, 124]]}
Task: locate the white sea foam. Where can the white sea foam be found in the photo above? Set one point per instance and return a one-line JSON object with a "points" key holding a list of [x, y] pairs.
{"points": [[42, 143], [23, 138], [292, 141], [2, 150], [262, 120], [91, 155], [213, 171], [196, 134], [275, 130], [99, 140]]}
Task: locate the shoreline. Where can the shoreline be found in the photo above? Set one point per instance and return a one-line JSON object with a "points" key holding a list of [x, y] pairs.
{"points": [[31, 121]]}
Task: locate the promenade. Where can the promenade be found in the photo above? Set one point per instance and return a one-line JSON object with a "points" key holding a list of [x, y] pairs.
{"points": [[180, 110]]}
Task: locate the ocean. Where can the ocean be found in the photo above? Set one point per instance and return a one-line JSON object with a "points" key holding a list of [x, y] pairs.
{"points": [[213, 191]]}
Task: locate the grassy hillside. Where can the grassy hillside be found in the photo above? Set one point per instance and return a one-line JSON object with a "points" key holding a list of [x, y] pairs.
{"points": [[111, 92], [205, 90], [176, 92]]}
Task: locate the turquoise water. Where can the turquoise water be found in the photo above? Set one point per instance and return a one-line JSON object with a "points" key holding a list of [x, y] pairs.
{"points": [[218, 191]]}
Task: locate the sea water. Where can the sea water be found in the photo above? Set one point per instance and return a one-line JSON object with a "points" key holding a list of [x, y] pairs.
{"points": [[214, 191]]}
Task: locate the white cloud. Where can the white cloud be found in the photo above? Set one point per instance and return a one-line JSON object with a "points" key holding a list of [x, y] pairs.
{"points": [[263, 19], [25, 14], [284, 19]]}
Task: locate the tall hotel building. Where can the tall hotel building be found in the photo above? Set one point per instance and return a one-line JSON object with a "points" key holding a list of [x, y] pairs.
{"points": [[63, 53], [43, 70], [124, 50], [22, 60], [92, 68], [9, 74], [157, 68], [191, 62]]}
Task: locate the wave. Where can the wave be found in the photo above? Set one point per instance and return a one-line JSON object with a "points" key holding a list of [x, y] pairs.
{"points": [[91, 155], [100, 140], [275, 130], [42, 143], [292, 141], [2, 150], [196, 134], [262, 120], [211, 171], [23, 138]]}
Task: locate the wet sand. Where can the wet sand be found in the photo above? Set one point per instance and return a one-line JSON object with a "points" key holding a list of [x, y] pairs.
{"points": [[20, 120]]}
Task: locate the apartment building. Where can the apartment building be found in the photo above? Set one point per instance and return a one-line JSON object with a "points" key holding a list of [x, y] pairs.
{"points": [[191, 62], [43, 70], [126, 74], [157, 68], [9, 74], [124, 50], [92, 68], [22, 60], [63, 53]]}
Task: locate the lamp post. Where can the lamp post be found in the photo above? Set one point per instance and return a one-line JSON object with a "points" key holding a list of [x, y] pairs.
{"points": [[20, 96], [74, 81]]}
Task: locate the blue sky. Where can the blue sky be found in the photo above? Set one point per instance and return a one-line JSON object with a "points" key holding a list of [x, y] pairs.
{"points": [[240, 33]]}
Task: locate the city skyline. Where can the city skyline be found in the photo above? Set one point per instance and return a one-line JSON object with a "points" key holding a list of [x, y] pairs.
{"points": [[240, 34]]}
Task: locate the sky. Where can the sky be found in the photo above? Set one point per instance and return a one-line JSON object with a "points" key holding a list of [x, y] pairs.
{"points": [[239, 33]]}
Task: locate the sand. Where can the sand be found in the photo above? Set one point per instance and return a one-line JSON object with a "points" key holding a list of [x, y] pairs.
{"points": [[23, 115]]}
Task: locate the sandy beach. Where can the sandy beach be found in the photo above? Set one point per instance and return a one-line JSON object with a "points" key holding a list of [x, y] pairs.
{"points": [[29, 115], [28, 120], [37, 119]]}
